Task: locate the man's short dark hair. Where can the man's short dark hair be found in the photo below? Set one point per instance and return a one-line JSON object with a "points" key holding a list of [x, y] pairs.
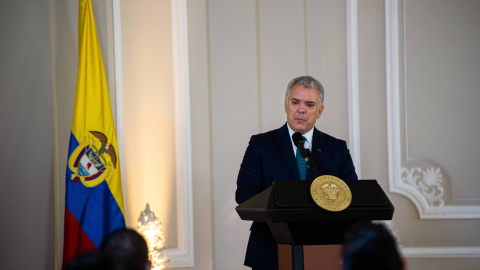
{"points": [[370, 246], [125, 249]]}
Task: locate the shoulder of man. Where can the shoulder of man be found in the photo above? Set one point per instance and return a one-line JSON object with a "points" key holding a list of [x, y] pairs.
{"points": [[327, 139], [269, 134]]}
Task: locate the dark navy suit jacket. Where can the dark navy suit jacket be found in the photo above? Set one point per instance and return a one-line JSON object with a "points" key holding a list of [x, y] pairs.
{"points": [[269, 157]]}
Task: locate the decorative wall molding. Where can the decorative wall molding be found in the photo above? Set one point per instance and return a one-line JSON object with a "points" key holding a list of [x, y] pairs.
{"points": [[427, 182], [420, 185], [353, 88], [418, 189], [441, 252], [183, 255], [430, 252], [392, 80]]}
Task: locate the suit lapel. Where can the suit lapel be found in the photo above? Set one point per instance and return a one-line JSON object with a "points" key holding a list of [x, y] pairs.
{"points": [[286, 144], [318, 146]]}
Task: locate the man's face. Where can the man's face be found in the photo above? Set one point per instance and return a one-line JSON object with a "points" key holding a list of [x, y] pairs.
{"points": [[302, 108]]}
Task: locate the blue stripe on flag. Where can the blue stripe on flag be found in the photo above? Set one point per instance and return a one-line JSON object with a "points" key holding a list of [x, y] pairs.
{"points": [[95, 208]]}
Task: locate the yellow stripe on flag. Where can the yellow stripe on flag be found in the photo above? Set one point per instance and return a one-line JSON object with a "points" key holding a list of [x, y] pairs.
{"points": [[92, 110]]}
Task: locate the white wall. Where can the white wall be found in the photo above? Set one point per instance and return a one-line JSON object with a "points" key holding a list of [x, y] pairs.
{"points": [[241, 56], [26, 138]]}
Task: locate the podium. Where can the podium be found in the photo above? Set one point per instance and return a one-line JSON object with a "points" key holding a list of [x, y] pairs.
{"points": [[296, 220]]}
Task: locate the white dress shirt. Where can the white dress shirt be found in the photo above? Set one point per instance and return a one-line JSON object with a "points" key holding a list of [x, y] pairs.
{"points": [[308, 136]]}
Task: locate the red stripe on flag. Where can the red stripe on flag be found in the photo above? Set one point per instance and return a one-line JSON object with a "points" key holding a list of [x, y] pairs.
{"points": [[75, 241]]}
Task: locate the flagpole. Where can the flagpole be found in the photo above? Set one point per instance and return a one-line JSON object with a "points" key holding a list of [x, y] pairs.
{"points": [[117, 44]]}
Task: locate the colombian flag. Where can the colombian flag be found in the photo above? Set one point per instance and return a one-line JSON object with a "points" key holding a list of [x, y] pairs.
{"points": [[93, 195]]}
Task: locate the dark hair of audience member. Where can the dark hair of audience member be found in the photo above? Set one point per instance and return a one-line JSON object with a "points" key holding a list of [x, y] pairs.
{"points": [[370, 246], [125, 249]]}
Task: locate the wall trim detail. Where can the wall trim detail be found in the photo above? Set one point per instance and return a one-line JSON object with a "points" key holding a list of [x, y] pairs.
{"points": [[427, 182], [353, 88], [183, 256], [423, 202], [430, 252], [441, 252]]}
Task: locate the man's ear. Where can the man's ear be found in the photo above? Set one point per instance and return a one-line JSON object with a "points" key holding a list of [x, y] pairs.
{"points": [[320, 111]]}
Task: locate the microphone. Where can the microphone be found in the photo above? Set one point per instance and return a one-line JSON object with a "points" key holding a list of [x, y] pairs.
{"points": [[298, 140]]}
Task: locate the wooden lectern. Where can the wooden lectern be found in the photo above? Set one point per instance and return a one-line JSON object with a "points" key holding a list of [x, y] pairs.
{"points": [[296, 220]]}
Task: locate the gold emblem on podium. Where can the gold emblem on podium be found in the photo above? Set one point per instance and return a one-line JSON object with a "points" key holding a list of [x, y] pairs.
{"points": [[331, 193]]}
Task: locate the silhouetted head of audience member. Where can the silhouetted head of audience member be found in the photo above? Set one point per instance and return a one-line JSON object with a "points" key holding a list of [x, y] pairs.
{"points": [[371, 246], [86, 261], [125, 249]]}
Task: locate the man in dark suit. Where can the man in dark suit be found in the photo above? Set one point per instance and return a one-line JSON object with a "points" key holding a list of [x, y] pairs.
{"points": [[271, 156]]}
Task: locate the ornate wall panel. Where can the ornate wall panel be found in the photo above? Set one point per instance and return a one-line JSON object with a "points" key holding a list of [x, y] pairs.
{"points": [[432, 95], [432, 90]]}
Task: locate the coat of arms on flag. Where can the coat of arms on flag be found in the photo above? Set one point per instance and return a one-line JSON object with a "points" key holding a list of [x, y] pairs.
{"points": [[93, 160]]}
